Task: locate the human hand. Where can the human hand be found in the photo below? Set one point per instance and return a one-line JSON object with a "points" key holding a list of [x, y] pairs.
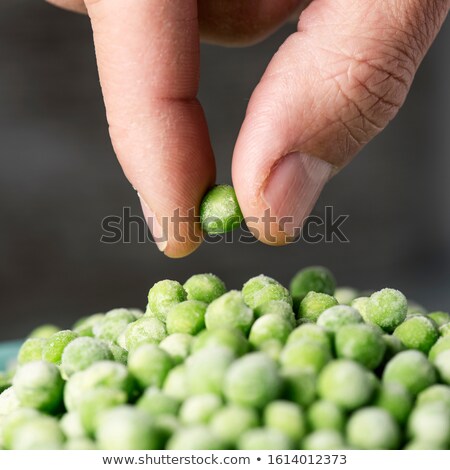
{"points": [[332, 86]]}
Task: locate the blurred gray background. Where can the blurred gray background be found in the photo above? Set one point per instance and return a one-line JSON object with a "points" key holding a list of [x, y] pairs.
{"points": [[59, 179]]}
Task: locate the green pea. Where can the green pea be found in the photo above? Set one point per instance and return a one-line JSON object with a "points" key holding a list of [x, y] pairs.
{"points": [[269, 328], [311, 332], [314, 303], [186, 317], [231, 421], [338, 316], [199, 409], [315, 279], [264, 439], [229, 311], [144, 331], [305, 354], [435, 394], [417, 332], [373, 428], [44, 331], [197, 437], [85, 326], [276, 307], [324, 439], [396, 400], [176, 384], [442, 344], [444, 330], [82, 352], [387, 308], [431, 423], [204, 287], [325, 414], [127, 427], [262, 289], [163, 296], [440, 318], [410, 369], [345, 295], [221, 337], [345, 383], [178, 346], [360, 304], [31, 350], [286, 417], [442, 363], [156, 402], [393, 347], [54, 347], [360, 343], [72, 426], [219, 210], [39, 385], [112, 324], [150, 365], [253, 380], [13, 421], [8, 401], [299, 385], [119, 354], [40, 433]]}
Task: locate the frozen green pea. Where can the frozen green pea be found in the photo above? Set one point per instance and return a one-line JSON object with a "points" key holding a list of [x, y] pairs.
{"points": [[314, 303], [272, 348], [431, 422], [393, 347], [186, 317], [373, 428], [286, 417], [119, 354], [95, 402], [360, 304], [264, 439], [299, 385], [345, 295], [44, 331], [204, 287], [13, 421], [127, 428], [199, 409], [269, 327], [8, 401], [345, 383], [444, 330], [229, 311], [72, 426], [150, 365], [396, 400], [82, 353], [315, 279], [262, 289], [206, 370], [221, 337], [156, 402], [178, 346], [412, 370], [440, 318], [417, 332], [31, 350], [107, 374], [197, 437], [312, 332], [41, 433], [39, 385], [112, 324], [219, 210], [163, 296], [336, 317], [387, 308], [442, 363], [442, 344], [231, 421], [176, 384], [253, 380], [305, 354], [361, 343], [55, 345], [80, 443], [143, 331], [324, 439], [325, 414], [276, 307], [85, 326], [435, 394]]}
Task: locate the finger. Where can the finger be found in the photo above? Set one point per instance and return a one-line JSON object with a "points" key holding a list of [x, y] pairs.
{"points": [[72, 5], [329, 90], [148, 59]]}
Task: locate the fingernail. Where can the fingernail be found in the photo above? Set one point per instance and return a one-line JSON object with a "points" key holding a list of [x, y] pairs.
{"points": [[293, 187], [154, 226]]}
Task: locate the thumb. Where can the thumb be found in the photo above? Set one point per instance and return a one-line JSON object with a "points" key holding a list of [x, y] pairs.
{"points": [[332, 86]]}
